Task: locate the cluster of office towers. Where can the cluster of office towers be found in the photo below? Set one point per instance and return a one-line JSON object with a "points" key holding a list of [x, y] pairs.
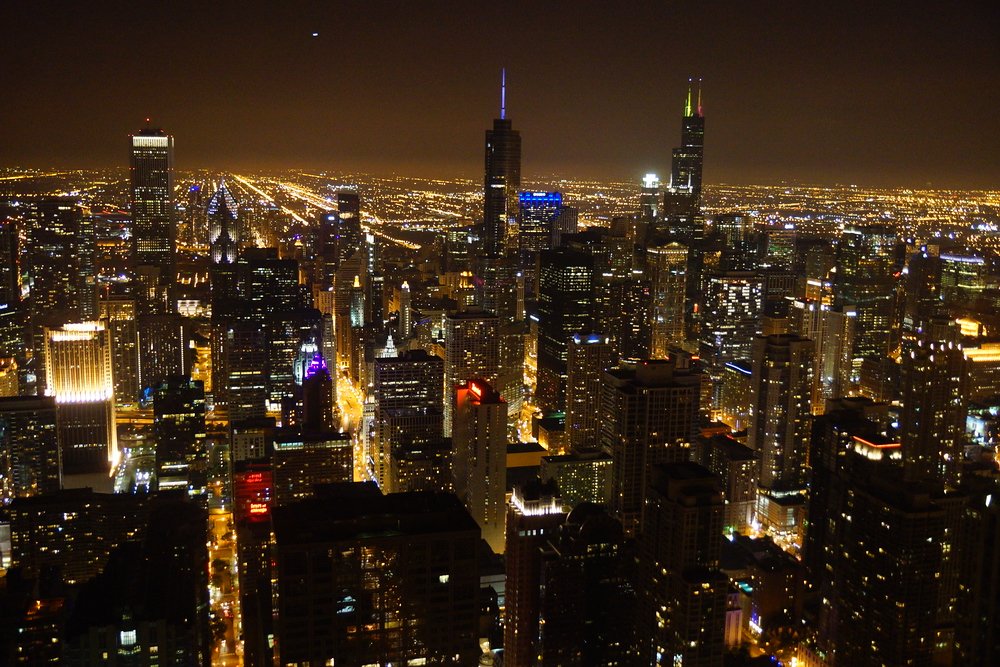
{"points": [[743, 432]]}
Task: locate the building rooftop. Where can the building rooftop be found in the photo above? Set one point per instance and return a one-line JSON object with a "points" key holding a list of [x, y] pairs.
{"points": [[355, 511]]}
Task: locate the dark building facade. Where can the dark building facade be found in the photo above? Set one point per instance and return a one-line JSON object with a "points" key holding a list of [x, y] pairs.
{"points": [[369, 579]]}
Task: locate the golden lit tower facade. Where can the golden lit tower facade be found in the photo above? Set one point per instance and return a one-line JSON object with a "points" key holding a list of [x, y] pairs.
{"points": [[667, 267], [78, 374]]}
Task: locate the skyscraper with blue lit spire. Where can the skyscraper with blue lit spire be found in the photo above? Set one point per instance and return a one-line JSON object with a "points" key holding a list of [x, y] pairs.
{"points": [[502, 178]]}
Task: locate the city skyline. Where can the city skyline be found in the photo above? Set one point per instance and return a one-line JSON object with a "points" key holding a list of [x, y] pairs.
{"points": [[255, 415], [858, 95]]}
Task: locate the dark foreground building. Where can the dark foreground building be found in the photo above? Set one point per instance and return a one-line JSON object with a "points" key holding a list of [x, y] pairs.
{"points": [[362, 578]]}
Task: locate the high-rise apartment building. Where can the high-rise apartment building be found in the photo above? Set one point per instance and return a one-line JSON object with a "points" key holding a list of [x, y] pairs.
{"points": [[780, 426], [733, 305], [588, 356], [29, 447], [932, 421], [479, 438], [119, 316], [649, 415], [684, 610], [472, 350]]}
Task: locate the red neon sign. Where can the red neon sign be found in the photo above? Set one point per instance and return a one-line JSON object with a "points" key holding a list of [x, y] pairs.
{"points": [[258, 508]]}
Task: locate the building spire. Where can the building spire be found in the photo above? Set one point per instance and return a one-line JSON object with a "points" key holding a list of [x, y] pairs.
{"points": [[503, 93], [700, 113], [687, 104]]}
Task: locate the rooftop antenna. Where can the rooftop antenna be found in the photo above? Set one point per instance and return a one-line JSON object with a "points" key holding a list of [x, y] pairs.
{"points": [[700, 113], [687, 103], [503, 93]]}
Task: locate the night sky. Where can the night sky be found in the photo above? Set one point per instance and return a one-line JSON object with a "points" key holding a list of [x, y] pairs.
{"points": [[873, 93]]}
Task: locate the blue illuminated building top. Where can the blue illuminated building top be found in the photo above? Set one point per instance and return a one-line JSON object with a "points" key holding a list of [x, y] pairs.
{"points": [[540, 198]]}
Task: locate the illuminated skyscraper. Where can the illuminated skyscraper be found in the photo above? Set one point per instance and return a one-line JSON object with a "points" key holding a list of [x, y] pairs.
{"points": [[405, 312], [831, 328], [318, 397], [534, 515], [781, 421], [479, 436], [649, 200], [565, 308], [224, 234], [681, 217], [502, 178], [666, 266], [537, 213], [303, 460], [245, 381], [731, 317], [10, 278], [963, 277], [78, 374], [682, 199], [685, 172], [151, 170], [11, 307], [588, 356], [648, 416]]}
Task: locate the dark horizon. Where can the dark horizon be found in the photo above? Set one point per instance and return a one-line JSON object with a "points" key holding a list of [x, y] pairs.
{"points": [[793, 94]]}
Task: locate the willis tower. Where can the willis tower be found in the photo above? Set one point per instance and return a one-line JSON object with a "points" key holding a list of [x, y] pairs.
{"points": [[682, 200], [681, 220]]}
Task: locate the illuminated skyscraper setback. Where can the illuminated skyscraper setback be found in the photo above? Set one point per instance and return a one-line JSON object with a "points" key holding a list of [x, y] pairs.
{"points": [[78, 375], [360, 380]]}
